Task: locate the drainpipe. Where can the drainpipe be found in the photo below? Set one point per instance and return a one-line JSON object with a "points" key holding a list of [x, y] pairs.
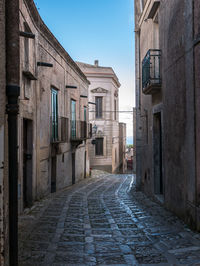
{"points": [[12, 92]]}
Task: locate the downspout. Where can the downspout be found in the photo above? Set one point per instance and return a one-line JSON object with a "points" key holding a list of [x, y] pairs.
{"points": [[12, 108]]}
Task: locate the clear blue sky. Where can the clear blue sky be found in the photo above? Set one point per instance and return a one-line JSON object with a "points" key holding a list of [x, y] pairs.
{"points": [[97, 29]]}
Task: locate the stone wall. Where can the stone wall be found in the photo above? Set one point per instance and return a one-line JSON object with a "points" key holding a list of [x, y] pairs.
{"points": [[122, 147], [178, 96], [3, 175], [177, 102], [197, 102], [147, 37], [50, 160]]}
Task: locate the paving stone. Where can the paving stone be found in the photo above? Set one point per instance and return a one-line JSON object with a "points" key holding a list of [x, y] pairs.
{"points": [[100, 221]]}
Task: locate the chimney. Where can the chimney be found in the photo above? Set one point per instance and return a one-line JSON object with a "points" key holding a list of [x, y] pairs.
{"points": [[96, 63]]}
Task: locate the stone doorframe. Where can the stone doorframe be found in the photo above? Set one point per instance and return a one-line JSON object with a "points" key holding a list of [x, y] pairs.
{"points": [[155, 110]]}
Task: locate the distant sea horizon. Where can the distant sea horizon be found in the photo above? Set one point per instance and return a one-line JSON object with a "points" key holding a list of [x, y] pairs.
{"points": [[129, 140]]}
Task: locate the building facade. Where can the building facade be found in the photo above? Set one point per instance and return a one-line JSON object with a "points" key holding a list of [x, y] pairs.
{"points": [[53, 117], [167, 98], [104, 116], [3, 146], [47, 123], [122, 148]]}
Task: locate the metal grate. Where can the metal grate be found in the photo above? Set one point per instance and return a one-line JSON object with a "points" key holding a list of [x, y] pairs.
{"points": [[151, 68]]}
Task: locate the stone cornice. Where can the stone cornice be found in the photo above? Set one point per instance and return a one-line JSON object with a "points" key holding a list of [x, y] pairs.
{"points": [[99, 90], [103, 75]]}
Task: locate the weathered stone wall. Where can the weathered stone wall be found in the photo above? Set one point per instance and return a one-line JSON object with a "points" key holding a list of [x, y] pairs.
{"points": [[36, 106], [178, 103], [176, 42], [3, 175], [147, 37], [197, 102], [122, 146]]}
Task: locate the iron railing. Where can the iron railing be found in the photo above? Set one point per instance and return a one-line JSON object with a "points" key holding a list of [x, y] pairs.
{"points": [[59, 129], [151, 68], [80, 130]]}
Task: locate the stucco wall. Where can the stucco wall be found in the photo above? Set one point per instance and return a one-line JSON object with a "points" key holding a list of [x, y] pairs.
{"points": [[107, 127], [35, 105], [178, 100], [176, 29]]}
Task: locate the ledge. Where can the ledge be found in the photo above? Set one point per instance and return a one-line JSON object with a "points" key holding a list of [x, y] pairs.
{"points": [[151, 89], [29, 75], [153, 9]]}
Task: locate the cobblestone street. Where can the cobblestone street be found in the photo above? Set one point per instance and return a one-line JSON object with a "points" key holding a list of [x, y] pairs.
{"points": [[103, 221]]}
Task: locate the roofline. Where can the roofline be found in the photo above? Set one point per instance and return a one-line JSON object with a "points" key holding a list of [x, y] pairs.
{"points": [[104, 75], [42, 27], [92, 74]]}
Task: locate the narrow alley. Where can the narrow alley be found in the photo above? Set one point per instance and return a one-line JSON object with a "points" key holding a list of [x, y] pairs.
{"points": [[104, 221]]}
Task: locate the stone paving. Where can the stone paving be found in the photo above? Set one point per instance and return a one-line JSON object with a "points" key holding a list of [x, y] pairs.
{"points": [[104, 221]]}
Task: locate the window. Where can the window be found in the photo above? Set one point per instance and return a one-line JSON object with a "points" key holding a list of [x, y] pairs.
{"points": [[27, 88], [141, 5], [73, 119], [54, 114], [115, 108], [85, 113], [26, 47], [98, 101], [99, 146]]}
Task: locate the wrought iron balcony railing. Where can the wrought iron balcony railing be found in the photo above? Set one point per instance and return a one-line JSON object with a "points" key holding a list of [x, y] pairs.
{"points": [[80, 130], [151, 72], [59, 129]]}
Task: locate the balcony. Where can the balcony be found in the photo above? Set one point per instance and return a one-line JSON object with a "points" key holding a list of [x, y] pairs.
{"points": [[151, 72], [59, 129], [80, 131]]}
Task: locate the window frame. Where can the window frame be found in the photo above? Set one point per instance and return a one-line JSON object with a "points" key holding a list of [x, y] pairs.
{"points": [[115, 109], [73, 118], [99, 110], [54, 113], [99, 150]]}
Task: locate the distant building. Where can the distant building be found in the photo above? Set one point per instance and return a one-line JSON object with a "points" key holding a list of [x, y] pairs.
{"points": [[134, 140], [104, 116], [122, 148], [167, 48]]}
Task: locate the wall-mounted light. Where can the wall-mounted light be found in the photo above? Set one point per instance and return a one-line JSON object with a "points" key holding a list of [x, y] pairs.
{"points": [[94, 129]]}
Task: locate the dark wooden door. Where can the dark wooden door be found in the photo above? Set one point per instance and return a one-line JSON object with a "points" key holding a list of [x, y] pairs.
{"points": [[157, 139], [53, 174], [73, 169], [27, 162], [85, 164]]}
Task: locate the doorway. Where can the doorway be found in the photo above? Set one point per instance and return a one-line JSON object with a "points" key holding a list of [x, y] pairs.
{"points": [[27, 162], [73, 169], [85, 164], [157, 154], [53, 174]]}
